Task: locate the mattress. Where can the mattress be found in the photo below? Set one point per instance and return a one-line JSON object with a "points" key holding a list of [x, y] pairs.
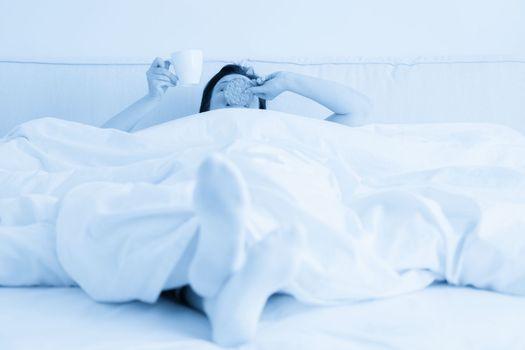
{"points": [[439, 317]]}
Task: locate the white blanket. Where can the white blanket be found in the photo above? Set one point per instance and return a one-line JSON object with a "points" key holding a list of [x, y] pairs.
{"points": [[386, 209]]}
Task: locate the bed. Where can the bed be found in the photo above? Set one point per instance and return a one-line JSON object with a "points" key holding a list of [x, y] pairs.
{"points": [[410, 89], [440, 317]]}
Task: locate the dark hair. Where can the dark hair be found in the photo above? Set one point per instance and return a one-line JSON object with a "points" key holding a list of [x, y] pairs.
{"points": [[226, 70]]}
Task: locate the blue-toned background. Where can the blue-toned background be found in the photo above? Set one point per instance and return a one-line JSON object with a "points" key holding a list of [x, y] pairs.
{"points": [[419, 61], [119, 29]]}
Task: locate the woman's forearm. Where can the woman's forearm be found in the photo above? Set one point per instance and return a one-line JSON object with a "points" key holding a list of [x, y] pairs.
{"points": [[340, 99], [130, 117]]}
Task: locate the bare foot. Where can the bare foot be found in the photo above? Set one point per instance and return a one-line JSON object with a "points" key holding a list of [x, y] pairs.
{"points": [[220, 198], [234, 313]]}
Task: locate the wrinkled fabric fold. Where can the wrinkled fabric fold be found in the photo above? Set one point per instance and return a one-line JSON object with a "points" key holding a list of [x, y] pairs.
{"points": [[386, 209]]}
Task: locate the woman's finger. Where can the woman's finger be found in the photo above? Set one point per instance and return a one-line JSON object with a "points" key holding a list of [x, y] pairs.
{"points": [[259, 80], [160, 77], [167, 84], [154, 74], [168, 75], [157, 62], [160, 70], [165, 72], [173, 78]]}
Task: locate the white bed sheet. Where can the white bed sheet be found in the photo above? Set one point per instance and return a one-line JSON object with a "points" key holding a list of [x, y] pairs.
{"points": [[440, 317], [443, 195]]}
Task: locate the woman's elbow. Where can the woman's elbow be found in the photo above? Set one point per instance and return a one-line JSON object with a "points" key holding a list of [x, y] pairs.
{"points": [[355, 113]]}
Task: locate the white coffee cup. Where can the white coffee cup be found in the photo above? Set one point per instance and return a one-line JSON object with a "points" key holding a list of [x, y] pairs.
{"points": [[188, 66]]}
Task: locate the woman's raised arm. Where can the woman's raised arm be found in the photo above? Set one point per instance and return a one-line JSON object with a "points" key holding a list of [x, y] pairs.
{"points": [[159, 80], [349, 106]]}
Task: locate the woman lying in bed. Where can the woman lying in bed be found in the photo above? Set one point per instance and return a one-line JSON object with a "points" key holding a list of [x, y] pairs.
{"points": [[236, 86], [328, 214]]}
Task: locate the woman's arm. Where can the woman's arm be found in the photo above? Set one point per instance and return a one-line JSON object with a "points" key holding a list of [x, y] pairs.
{"points": [[349, 106], [128, 119], [159, 80]]}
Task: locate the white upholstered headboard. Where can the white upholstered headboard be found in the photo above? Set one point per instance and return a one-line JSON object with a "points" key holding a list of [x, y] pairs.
{"points": [[419, 61], [410, 90]]}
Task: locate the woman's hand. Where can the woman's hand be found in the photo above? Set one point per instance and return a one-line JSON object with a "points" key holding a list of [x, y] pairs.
{"points": [[160, 78], [272, 86]]}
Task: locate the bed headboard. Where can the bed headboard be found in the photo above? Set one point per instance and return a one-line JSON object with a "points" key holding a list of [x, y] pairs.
{"points": [[419, 61], [410, 90]]}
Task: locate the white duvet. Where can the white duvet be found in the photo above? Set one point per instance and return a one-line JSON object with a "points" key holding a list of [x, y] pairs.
{"points": [[386, 209]]}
